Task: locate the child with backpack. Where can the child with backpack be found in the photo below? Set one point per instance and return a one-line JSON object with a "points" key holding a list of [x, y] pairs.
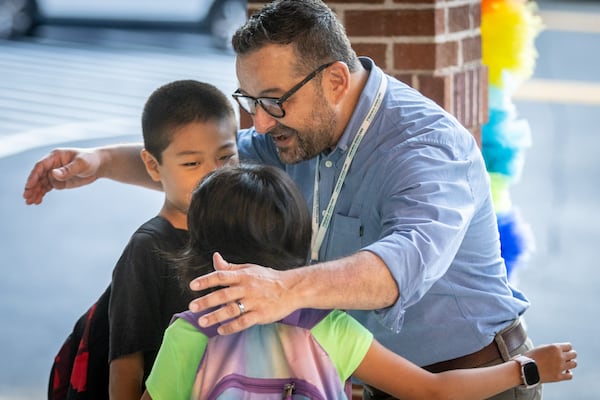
{"points": [[189, 129], [255, 214]]}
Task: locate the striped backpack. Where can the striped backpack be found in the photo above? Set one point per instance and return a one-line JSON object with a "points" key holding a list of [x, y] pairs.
{"points": [[275, 361]]}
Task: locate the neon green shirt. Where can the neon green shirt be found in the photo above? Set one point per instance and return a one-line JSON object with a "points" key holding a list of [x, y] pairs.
{"points": [[344, 339]]}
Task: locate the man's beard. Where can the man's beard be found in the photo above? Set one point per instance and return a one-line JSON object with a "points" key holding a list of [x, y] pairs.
{"points": [[310, 142]]}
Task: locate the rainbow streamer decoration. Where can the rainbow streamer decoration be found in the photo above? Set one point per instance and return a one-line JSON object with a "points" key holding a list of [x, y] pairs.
{"points": [[508, 32]]}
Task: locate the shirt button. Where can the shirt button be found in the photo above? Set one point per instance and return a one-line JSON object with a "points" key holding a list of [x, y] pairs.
{"points": [[328, 163]]}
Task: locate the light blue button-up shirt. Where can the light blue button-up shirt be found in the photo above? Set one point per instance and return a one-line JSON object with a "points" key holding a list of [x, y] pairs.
{"points": [[418, 195]]}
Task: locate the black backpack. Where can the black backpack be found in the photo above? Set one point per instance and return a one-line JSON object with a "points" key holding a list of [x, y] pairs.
{"points": [[80, 369]]}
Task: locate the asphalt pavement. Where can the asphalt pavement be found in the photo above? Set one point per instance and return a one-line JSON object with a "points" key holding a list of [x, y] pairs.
{"points": [[74, 87], [559, 194], [58, 257]]}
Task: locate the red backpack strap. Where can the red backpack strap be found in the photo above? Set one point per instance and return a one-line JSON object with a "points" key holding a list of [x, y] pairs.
{"points": [[80, 368]]}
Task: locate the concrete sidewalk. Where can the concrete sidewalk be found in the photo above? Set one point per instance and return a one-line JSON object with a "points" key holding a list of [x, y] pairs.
{"points": [[559, 194]]}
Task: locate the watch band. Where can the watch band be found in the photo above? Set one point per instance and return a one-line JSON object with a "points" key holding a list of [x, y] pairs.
{"points": [[529, 371]]}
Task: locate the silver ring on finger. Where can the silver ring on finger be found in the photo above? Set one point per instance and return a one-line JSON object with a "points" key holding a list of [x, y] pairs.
{"points": [[241, 307]]}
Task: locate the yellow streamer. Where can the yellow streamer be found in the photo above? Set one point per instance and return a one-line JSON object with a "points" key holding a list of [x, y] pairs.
{"points": [[508, 31]]}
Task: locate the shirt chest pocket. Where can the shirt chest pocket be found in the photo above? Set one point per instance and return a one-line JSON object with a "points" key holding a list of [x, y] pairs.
{"points": [[344, 237]]}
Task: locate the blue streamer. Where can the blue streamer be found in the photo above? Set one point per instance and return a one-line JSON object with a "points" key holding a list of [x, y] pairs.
{"points": [[504, 140], [516, 240]]}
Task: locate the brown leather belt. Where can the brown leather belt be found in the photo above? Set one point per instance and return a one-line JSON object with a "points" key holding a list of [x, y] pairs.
{"points": [[514, 336]]}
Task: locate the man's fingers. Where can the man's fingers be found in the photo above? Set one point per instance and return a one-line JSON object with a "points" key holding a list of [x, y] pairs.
{"points": [[36, 188], [230, 316], [570, 361], [221, 277], [62, 173], [214, 279], [258, 289], [72, 170], [239, 324], [50, 173], [37, 184], [34, 177], [565, 346], [217, 298], [219, 263]]}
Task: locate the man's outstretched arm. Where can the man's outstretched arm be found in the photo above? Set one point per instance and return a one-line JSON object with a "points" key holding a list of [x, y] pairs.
{"points": [[74, 167], [358, 282]]}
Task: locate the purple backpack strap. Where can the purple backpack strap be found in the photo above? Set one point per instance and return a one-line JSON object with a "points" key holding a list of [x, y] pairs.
{"points": [[192, 318], [305, 318]]}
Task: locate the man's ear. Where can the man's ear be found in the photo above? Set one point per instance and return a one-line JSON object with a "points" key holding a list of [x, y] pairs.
{"points": [[337, 82], [151, 165]]}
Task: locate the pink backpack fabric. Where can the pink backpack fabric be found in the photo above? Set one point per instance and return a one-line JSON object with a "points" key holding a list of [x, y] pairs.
{"points": [[275, 361]]}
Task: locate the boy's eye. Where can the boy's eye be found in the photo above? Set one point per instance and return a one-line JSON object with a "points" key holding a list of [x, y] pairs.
{"points": [[191, 164], [227, 156]]}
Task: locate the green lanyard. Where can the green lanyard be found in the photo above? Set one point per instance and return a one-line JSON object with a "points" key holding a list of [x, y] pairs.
{"points": [[320, 230]]}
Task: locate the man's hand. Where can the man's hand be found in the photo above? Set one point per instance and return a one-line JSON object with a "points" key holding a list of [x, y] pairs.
{"points": [[554, 361], [266, 295], [61, 169]]}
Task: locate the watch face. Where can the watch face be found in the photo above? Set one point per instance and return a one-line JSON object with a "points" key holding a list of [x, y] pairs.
{"points": [[531, 374]]}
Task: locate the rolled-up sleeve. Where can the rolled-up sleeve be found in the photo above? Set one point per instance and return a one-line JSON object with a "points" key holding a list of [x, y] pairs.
{"points": [[426, 208]]}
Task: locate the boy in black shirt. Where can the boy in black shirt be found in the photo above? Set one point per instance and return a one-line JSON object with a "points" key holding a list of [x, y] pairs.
{"points": [[189, 129]]}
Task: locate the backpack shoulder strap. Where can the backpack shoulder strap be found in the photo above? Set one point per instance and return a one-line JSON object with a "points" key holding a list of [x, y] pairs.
{"points": [[305, 318], [192, 318]]}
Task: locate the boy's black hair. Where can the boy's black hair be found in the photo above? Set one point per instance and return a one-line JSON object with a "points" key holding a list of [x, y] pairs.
{"points": [[179, 103], [249, 214]]}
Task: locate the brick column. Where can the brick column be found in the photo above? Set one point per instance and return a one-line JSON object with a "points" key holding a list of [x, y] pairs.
{"points": [[432, 45]]}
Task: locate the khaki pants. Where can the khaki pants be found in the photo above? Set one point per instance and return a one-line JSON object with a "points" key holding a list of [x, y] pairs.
{"points": [[518, 393]]}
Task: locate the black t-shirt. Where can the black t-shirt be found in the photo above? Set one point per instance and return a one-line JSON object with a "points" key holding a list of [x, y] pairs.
{"points": [[145, 291]]}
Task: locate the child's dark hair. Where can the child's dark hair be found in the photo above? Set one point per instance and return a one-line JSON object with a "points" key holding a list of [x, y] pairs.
{"points": [[249, 214], [179, 103]]}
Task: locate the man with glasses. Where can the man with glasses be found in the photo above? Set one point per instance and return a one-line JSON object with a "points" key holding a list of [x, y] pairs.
{"points": [[403, 223], [273, 105]]}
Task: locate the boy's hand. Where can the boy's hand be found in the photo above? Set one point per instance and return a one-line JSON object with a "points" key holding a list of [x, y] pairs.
{"points": [[265, 293], [61, 169], [554, 361]]}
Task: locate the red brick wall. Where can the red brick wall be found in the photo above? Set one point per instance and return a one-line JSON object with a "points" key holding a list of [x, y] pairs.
{"points": [[432, 45]]}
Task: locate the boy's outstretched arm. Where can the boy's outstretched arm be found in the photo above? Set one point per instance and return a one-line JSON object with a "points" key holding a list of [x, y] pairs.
{"points": [[399, 377], [74, 167]]}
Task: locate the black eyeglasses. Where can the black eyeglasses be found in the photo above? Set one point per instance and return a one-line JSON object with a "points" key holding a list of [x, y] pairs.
{"points": [[273, 105]]}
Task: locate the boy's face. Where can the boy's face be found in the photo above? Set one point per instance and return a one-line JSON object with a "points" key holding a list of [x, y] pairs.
{"points": [[195, 150]]}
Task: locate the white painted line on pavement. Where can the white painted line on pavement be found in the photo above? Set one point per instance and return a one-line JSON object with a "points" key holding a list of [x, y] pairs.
{"points": [[571, 21], [539, 90], [557, 91], [40, 137]]}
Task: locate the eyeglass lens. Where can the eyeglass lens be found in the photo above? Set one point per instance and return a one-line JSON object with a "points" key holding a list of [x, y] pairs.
{"points": [[269, 105], [273, 105]]}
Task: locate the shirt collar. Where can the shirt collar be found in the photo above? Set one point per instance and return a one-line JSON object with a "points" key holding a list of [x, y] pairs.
{"points": [[364, 103]]}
